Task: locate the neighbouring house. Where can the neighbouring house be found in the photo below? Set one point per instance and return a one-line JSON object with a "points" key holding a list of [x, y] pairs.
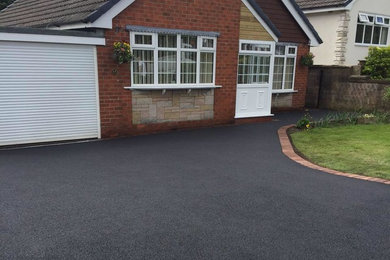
{"points": [[195, 63], [348, 28]]}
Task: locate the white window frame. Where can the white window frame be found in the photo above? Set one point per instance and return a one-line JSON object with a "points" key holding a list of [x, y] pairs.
{"points": [[267, 53], [178, 85], [285, 56], [374, 23], [379, 23], [363, 18], [272, 46], [134, 45]]}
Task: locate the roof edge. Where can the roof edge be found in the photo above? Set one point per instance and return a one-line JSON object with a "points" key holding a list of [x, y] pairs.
{"points": [[345, 4], [100, 11], [42, 31], [306, 22]]}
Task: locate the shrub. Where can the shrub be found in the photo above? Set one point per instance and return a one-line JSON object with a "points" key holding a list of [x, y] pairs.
{"points": [[338, 118], [378, 63], [304, 122], [307, 60], [386, 96]]}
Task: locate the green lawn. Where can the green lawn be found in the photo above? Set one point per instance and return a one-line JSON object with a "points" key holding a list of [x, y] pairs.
{"points": [[361, 149]]}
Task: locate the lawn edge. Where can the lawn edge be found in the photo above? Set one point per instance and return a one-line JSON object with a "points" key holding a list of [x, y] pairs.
{"points": [[288, 150]]}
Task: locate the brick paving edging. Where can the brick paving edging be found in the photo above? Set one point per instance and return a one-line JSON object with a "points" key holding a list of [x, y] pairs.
{"points": [[288, 150]]}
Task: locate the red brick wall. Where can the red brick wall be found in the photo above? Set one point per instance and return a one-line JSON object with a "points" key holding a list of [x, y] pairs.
{"points": [[205, 15], [301, 76], [220, 16]]}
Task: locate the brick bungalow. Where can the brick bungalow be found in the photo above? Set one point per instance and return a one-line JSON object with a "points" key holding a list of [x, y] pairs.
{"points": [[196, 62]]}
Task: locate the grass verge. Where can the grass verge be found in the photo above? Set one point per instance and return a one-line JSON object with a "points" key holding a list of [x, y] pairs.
{"points": [[360, 149]]}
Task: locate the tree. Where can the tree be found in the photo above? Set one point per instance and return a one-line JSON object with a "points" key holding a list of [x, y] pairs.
{"points": [[5, 3]]}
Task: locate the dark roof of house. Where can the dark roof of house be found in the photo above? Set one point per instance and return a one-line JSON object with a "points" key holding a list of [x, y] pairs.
{"points": [[45, 13], [319, 4]]}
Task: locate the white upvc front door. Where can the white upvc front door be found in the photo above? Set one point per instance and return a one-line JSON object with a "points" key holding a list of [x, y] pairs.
{"points": [[254, 81]]}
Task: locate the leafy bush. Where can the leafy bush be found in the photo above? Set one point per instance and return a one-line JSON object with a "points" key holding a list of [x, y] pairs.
{"points": [[386, 96], [378, 63], [382, 117], [308, 59], [304, 122], [338, 118]]}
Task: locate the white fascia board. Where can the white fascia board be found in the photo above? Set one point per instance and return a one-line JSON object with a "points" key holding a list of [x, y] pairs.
{"points": [[313, 40], [71, 26], [325, 10], [334, 9], [104, 21], [261, 21], [24, 37]]}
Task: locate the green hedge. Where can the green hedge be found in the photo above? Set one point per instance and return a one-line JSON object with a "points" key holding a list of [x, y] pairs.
{"points": [[378, 63]]}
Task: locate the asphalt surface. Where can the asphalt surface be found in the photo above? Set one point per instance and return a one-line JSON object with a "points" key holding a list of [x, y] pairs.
{"points": [[216, 193]]}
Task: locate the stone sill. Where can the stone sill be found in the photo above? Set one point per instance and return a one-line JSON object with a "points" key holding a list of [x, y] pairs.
{"points": [[180, 87], [284, 91]]}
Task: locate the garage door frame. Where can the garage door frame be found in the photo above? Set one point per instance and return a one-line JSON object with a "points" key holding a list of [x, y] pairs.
{"points": [[28, 35]]}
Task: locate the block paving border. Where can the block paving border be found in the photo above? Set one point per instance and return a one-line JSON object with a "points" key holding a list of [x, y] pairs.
{"points": [[289, 151]]}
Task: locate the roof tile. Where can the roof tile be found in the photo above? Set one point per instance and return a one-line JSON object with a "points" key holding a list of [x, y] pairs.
{"points": [[45, 13], [317, 4]]}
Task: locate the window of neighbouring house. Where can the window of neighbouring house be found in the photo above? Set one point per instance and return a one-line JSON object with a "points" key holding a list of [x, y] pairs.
{"points": [[172, 60], [284, 68], [372, 29]]}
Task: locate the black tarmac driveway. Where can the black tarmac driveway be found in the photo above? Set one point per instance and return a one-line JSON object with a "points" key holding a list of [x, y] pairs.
{"points": [[216, 193]]}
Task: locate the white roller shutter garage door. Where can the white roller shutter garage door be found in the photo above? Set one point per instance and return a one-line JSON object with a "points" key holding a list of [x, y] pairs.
{"points": [[48, 92]]}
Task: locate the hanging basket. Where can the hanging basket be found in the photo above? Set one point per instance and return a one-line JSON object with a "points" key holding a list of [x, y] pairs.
{"points": [[122, 52]]}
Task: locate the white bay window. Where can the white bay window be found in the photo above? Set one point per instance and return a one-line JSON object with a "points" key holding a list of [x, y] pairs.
{"points": [[163, 60]]}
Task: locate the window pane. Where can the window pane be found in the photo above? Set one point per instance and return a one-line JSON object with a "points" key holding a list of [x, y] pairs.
{"points": [[291, 50], [255, 47], [206, 67], [278, 73], [253, 69], [143, 67], [377, 34], [359, 33], [363, 18], [189, 42], [143, 39], [368, 34], [280, 50], [167, 41], [167, 67], [188, 67], [289, 77], [379, 20], [208, 43], [384, 35]]}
